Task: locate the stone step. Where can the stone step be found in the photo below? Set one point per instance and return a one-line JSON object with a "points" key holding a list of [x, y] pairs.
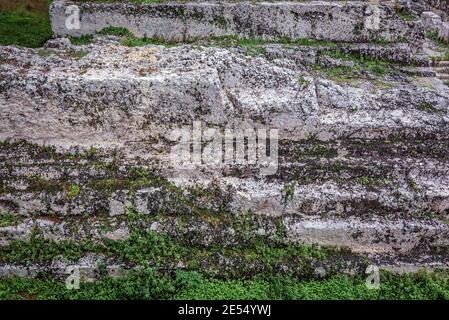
{"points": [[332, 20], [442, 64], [93, 265], [409, 196], [442, 76], [150, 91], [419, 71], [359, 234], [309, 161], [440, 67]]}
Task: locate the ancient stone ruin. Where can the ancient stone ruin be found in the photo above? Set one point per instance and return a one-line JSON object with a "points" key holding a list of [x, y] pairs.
{"points": [[339, 111]]}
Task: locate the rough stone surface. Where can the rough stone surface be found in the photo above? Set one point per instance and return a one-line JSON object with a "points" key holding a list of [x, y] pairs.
{"points": [[87, 138], [351, 21], [431, 21], [434, 23], [441, 7], [116, 98]]}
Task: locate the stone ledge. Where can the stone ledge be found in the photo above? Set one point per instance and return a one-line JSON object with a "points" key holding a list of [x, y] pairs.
{"points": [[354, 21]]}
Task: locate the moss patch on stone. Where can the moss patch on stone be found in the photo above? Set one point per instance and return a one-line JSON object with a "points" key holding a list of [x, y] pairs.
{"points": [[8, 219]]}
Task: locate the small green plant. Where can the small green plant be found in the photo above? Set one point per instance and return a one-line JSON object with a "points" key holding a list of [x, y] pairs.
{"points": [[428, 107], [366, 181], [220, 21], [307, 42], [432, 35], [44, 53], [8, 219], [375, 66], [303, 81], [231, 40], [40, 250], [406, 15], [288, 193], [256, 51], [115, 31], [318, 150], [443, 47], [132, 41], [373, 181], [82, 40], [78, 54], [73, 191], [185, 285], [37, 183], [412, 184]]}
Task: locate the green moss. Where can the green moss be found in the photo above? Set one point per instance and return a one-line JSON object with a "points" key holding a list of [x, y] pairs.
{"points": [[144, 247], [384, 42], [132, 180], [406, 15], [82, 40], [337, 73], [157, 252], [149, 1], [34, 150], [78, 54], [303, 81], [429, 107], [288, 191], [443, 47], [39, 250], [373, 181], [115, 31], [44, 52], [375, 66], [412, 184], [256, 51], [37, 183], [317, 150], [307, 42], [432, 35], [73, 191], [8, 219], [364, 180], [220, 21], [237, 41], [231, 40]]}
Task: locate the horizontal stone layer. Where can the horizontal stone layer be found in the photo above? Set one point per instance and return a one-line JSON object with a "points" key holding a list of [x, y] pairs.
{"points": [[149, 91], [93, 267], [366, 235], [353, 21]]}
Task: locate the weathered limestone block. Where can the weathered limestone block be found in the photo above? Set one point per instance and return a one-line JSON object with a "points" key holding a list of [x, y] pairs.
{"points": [[351, 21], [443, 31], [434, 23], [441, 7], [104, 99], [431, 21]]}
